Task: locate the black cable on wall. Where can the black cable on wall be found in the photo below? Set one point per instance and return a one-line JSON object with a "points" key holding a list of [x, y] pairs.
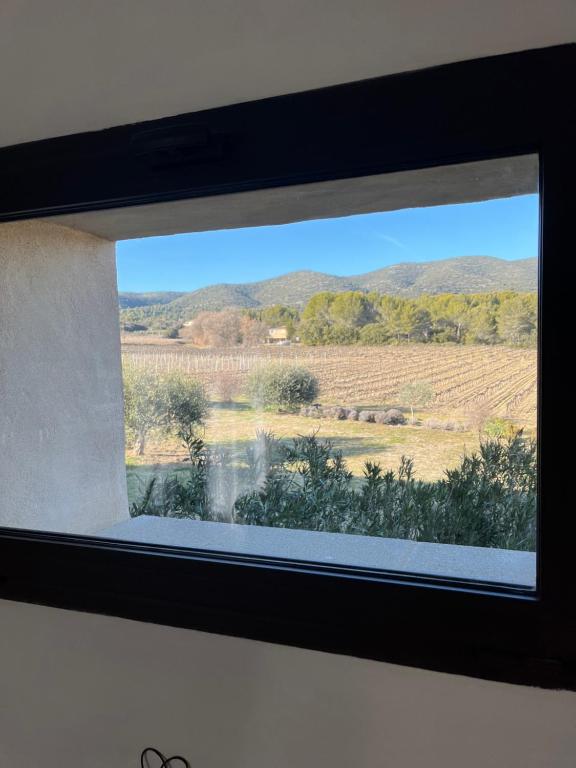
{"points": [[165, 762]]}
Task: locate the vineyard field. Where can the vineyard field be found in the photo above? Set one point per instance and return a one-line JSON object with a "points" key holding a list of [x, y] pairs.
{"points": [[497, 379]]}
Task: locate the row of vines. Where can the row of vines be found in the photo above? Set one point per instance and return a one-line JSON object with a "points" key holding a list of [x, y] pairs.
{"points": [[500, 379]]}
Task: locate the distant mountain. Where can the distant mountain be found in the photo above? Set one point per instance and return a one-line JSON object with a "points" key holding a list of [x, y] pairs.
{"points": [[128, 300], [293, 289], [466, 274]]}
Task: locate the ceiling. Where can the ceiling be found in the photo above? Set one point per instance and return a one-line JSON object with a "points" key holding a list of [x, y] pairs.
{"points": [[68, 66]]}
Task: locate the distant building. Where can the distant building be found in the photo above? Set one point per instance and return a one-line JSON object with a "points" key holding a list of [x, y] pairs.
{"points": [[277, 336]]}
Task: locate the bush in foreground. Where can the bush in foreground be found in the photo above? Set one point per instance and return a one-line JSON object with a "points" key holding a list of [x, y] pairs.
{"points": [[488, 501]]}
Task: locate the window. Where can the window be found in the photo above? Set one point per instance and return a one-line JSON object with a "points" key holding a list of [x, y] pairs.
{"points": [[342, 437], [382, 416]]}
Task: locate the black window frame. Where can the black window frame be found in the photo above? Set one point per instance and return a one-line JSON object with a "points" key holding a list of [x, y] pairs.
{"points": [[496, 107]]}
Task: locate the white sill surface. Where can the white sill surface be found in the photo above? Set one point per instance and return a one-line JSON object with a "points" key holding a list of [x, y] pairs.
{"points": [[440, 560]]}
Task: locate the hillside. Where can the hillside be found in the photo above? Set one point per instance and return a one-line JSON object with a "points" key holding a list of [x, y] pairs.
{"points": [[466, 274], [130, 300], [292, 289]]}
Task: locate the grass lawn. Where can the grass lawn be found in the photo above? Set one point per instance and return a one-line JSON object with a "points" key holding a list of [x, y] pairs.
{"points": [[232, 427]]}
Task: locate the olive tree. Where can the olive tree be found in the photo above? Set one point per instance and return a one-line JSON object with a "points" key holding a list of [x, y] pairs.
{"points": [[416, 394], [168, 402], [186, 407]]}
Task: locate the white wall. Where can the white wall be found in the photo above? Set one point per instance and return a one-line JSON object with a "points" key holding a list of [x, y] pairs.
{"points": [[80, 691], [69, 66], [61, 418]]}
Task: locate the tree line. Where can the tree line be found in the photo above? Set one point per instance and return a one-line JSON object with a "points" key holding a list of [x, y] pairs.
{"points": [[354, 317]]}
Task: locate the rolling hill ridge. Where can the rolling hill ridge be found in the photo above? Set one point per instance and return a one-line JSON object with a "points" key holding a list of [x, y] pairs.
{"points": [[466, 274], [129, 300]]}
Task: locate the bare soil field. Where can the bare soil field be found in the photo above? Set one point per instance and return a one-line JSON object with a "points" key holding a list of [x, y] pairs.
{"points": [[500, 380]]}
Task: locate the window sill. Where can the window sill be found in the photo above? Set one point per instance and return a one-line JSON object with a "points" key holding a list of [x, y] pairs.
{"points": [[517, 569]]}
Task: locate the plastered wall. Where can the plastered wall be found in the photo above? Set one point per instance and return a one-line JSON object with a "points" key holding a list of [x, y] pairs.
{"points": [[61, 418], [81, 691]]}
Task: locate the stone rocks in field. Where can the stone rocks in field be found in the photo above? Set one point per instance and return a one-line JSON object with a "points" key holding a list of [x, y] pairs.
{"points": [[312, 411], [393, 416], [450, 426], [333, 412], [317, 411]]}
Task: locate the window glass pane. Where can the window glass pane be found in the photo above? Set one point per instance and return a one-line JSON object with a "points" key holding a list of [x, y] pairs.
{"points": [[342, 372]]}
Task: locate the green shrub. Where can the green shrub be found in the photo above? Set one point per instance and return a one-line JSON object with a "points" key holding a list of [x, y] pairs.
{"points": [[282, 386], [180, 495], [488, 501], [133, 327], [499, 428]]}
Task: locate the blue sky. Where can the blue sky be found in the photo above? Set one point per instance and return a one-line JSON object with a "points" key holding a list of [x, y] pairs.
{"points": [[506, 228]]}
